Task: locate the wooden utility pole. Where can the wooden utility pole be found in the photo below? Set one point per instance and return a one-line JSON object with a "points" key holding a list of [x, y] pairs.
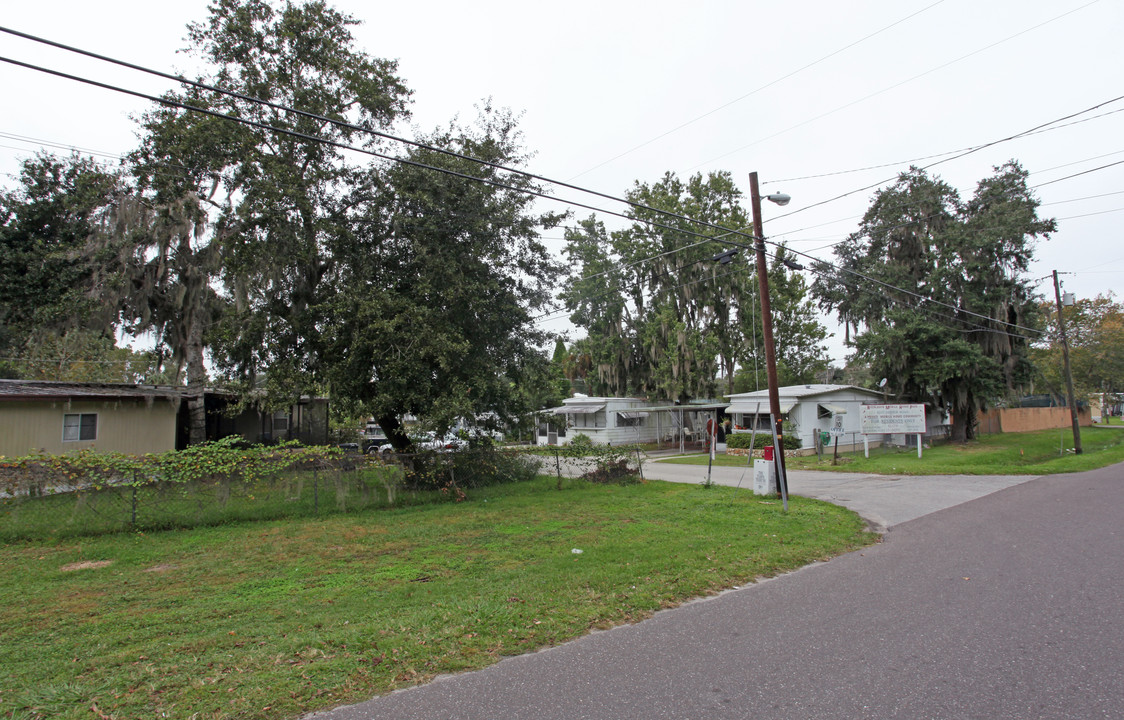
{"points": [[1068, 374], [767, 334]]}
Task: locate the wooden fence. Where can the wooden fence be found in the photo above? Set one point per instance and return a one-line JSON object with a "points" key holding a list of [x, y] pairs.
{"points": [[1009, 420]]}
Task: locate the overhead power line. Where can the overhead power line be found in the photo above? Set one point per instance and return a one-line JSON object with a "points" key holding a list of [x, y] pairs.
{"points": [[899, 163], [894, 86], [534, 193], [955, 157], [1085, 172], [338, 123], [58, 145], [754, 92], [414, 163]]}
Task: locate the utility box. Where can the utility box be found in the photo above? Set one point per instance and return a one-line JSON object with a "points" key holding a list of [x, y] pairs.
{"points": [[764, 477]]}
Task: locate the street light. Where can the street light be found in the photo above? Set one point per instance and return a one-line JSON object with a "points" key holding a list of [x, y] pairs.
{"points": [[767, 328]]}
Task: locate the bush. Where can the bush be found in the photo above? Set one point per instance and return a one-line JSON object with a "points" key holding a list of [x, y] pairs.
{"points": [[740, 441], [478, 465], [603, 463], [580, 445]]}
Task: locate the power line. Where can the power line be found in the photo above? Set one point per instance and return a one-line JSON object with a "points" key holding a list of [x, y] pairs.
{"points": [[934, 155], [338, 123], [892, 87], [340, 145], [414, 163], [60, 146], [754, 92], [956, 157], [910, 293], [1102, 212], [1087, 197], [1085, 172]]}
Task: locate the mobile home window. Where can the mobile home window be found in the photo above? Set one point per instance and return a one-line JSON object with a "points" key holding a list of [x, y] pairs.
{"points": [[79, 426]]}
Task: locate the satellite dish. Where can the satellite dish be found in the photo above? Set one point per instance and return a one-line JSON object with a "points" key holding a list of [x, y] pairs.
{"points": [[882, 383]]}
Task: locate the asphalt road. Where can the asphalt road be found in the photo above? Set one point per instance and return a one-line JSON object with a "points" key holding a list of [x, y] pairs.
{"points": [[1006, 606]]}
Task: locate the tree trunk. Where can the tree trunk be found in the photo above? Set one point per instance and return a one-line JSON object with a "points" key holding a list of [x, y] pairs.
{"points": [[394, 432], [196, 386], [960, 426]]}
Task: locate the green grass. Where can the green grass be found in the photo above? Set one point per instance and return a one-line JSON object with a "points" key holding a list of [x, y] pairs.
{"points": [[1033, 453], [274, 619]]}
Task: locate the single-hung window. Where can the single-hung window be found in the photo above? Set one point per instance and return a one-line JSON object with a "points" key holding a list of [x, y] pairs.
{"points": [[79, 426]]}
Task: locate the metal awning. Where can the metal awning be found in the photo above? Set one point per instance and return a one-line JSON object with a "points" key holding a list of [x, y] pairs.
{"points": [[631, 415], [833, 409], [578, 409], [752, 409]]}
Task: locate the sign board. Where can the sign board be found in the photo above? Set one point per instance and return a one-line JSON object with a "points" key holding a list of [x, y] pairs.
{"points": [[892, 419], [836, 428]]}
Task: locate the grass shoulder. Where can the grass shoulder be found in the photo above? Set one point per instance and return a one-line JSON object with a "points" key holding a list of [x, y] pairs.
{"points": [[1043, 452], [275, 619]]}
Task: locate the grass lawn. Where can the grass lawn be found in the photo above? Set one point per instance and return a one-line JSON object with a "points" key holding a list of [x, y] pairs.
{"points": [[274, 619], [1033, 453]]}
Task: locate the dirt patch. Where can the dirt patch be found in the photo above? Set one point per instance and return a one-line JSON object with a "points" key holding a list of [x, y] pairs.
{"points": [[86, 565], [162, 567]]}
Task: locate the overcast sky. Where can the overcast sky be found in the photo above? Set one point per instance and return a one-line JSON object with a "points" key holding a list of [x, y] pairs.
{"points": [[613, 92]]}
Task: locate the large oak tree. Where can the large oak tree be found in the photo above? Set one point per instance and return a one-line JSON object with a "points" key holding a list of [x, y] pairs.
{"points": [[934, 289]]}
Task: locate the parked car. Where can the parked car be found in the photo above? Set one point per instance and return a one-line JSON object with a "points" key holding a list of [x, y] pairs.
{"points": [[428, 441]]}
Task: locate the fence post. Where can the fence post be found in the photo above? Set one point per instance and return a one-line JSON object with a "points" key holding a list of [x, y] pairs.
{"points": [[134, 521], [558, 467]]}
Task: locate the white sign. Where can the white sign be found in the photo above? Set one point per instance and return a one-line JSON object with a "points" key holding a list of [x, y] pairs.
{"points": [[892, 419], [835, 430]]}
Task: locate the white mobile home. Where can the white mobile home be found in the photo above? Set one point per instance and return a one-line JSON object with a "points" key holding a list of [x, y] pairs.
{"points": [[606, 420], [808, 409], [626, 421]]}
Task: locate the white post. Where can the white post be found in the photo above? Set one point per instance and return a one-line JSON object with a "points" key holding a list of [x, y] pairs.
{"points": [[918, 446], [866, 446]]}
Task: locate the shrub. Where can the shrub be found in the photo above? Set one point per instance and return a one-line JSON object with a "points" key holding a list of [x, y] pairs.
{"points": [[478, 465], [579, 446], [603, 463], [740, 441]]}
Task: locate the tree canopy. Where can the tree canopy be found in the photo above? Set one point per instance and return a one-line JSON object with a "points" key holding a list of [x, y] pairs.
{"points": [[933, 288], [1095, 334], [661, 315], [438, 279]]}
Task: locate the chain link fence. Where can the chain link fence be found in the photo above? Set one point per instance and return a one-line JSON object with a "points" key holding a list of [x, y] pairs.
{"points": [[42, 503]]}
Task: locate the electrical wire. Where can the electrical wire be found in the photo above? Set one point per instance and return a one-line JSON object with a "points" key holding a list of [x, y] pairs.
{"points": [[892, 87], [333, 121], [60, 146], [1085, 172], [955, 157], [413, 163], [754, 92], [934, 155], [264, 126]]}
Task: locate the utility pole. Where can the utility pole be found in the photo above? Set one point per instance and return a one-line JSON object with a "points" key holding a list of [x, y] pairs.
{"points": [[767, 332], [1068, 374]]}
